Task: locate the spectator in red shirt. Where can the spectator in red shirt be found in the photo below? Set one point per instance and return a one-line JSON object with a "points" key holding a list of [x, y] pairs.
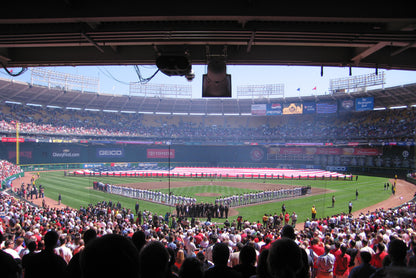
{"points": [[267, 244], [287, 218], [336, 251], [342, 261], [318, 250], [378, 257]]}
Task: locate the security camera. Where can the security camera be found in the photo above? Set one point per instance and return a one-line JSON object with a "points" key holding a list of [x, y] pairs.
{"points": [[190, 75]]}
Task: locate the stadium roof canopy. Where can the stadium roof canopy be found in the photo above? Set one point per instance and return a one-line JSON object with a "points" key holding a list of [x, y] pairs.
{"points": [[76, 32], [26, 93]]}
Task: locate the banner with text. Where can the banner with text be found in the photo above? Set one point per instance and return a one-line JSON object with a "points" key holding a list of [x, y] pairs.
{"points": [[160, 153], [326, 107], [324, 151], [258, 109], [309, 108], [364, 103]]}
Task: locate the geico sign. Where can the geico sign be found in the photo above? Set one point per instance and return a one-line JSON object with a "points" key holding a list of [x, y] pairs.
{"points": [[110, 152]]}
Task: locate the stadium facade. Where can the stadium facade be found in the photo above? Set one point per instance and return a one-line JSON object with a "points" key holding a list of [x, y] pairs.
{"points": [[383, 151]]}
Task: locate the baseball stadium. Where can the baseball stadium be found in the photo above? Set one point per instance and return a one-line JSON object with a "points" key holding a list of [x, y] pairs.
{"points": [[192, 173]]}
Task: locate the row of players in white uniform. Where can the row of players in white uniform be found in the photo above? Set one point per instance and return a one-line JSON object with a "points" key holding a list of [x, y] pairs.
{"points": [[149, 195], [231, 201], [259, 197]]}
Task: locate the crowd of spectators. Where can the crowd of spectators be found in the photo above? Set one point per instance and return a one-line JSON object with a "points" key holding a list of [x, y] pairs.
{"points": [[105, 239], [7, 170], [385, 126]]}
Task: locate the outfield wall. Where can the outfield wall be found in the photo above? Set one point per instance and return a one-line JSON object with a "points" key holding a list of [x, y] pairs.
{"points": [[380, 160]]}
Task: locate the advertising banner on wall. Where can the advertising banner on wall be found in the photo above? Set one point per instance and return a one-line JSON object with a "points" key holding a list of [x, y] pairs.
{"points": [[327, 151], [367, 151], [110, 152], [257, 154], [364, 104], [12, 140], [258, 109], [326, 107], [274, 109], [65, 153], [160, 153], [292, 108], [324, 151], [92, 165], [309, 108], [346, 105]]}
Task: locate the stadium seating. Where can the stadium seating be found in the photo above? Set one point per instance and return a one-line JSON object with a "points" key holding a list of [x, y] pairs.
{"points": [[106, 218], [369, 126]]}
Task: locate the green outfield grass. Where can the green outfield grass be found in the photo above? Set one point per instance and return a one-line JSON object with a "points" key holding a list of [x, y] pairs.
{"points": [[77, 191]]}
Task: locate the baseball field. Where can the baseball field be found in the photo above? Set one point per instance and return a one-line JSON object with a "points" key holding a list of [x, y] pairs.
{"points": [[77, 191]]}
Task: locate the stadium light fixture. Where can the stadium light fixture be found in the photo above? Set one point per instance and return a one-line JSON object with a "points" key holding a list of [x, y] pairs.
{"points": [[398, 107], [12, 102]]}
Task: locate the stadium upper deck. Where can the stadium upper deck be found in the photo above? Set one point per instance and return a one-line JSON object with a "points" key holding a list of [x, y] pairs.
{"points": [[25, 93]]}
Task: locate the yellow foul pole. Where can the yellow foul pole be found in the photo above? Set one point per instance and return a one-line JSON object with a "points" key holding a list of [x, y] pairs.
{"points": [[17, 144]]}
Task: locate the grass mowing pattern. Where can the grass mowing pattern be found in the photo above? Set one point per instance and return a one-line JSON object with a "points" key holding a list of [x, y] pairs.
{"points": [[76, 192]]}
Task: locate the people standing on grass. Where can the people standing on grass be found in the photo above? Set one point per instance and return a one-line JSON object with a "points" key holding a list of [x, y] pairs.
{"points": [[287, 218], [333, 200], [350, 207], [313, 211], [136, 207], [294, 218]]}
